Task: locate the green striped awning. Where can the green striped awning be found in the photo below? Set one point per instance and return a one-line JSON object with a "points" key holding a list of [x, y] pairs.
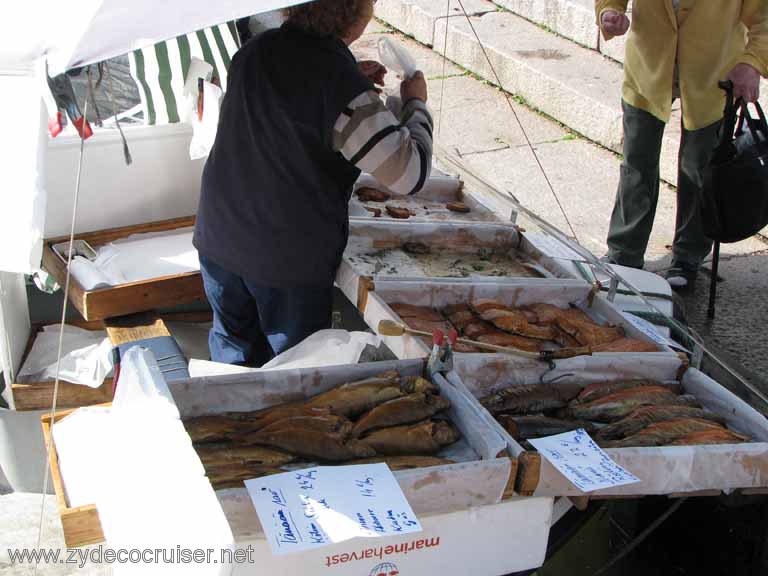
{"points": [[160, 70]]}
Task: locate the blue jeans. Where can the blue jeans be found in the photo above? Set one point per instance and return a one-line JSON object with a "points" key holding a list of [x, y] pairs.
{"points": [[252, 323]]}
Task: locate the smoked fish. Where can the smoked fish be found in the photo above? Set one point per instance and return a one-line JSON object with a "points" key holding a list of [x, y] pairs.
{"points": [[421, 312], [414, 439], [354, 398], [324, 423], [312, 444], [213, 428], [212, 455], [532, 398], [233, 476], [600, 389], [405, 410], [645, 415], [404, 462], [589, 333], [715, 436], [662, 433], [549, 313], [367, 194], [416, 384], [537, 426], [511, 341], [620, 404], [626, 345]]}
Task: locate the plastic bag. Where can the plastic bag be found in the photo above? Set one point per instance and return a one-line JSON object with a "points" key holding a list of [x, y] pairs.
{"points": [[397, 58]]}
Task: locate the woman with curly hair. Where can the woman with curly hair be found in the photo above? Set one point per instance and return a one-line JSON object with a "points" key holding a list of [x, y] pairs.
{"points": [[301, 119]]}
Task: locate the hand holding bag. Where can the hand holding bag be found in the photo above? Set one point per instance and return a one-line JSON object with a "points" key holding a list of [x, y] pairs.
{"points": [[735, 192]]}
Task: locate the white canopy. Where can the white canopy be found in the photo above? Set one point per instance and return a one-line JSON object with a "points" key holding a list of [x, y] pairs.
{"points": [[73, 34]]}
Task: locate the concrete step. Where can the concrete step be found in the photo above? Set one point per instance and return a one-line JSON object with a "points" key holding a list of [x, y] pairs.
{"points": [[574, 85]]}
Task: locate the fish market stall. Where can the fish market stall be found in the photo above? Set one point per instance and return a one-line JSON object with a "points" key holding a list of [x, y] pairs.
{"points": [[677, 434], [465, 483], [528, 314], [443, 198], [468, 252]]}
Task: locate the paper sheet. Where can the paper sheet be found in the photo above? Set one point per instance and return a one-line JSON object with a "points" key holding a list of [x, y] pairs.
{"points": [[315, 507], [580, 460]]}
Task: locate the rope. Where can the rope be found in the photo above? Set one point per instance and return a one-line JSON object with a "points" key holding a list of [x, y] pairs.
{"points": [[61, 336], [517, 119], [442, 75]]}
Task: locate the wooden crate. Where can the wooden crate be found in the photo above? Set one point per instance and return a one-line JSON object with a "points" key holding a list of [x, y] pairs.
{"points": [[132, 297], [39, 395], [81, 524]]}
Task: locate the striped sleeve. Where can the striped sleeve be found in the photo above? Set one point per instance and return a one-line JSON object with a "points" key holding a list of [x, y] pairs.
{"points": [[397, 153]]}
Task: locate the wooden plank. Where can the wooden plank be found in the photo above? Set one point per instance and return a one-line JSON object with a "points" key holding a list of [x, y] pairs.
{"points": [[39, 395], [365, 286], [509, 490], [528, 473], [135, 327], [132, 297], [81, 525]]}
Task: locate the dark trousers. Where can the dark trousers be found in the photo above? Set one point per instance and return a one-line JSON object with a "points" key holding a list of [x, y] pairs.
{"points": [[638, 192], [252, 323]]}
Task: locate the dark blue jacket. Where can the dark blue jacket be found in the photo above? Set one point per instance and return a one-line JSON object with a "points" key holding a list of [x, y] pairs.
{"points": [[274, 196]]}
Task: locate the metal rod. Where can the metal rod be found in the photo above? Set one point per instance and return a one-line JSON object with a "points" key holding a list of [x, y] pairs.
{"points": [[713, 281]]}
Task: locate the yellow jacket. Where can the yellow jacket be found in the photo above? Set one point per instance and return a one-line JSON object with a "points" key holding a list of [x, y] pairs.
{"points": [[709, 37]]}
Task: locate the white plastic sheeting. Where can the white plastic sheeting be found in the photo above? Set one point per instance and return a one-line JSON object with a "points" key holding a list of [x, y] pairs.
{"points": [[14, 327], [22, 157], [93, 30]]}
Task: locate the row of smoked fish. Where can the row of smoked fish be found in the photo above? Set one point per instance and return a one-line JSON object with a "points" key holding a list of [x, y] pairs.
{"points": [[366, 194], [387, 418], [533, 328], [618, 414]]}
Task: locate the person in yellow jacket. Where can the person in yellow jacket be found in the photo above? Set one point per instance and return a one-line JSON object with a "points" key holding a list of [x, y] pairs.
{"points": [[677, 49]]}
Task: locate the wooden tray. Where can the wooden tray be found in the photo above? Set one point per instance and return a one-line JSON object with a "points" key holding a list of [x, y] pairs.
{"points": [[39, 395], [162, 292], [81, 524]]}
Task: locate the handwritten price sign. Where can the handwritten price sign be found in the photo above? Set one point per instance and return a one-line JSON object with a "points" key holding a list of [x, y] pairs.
{"points": [[319, 506], [582, 461]]}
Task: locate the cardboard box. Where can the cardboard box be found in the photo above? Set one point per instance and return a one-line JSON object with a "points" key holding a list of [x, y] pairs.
{"points": [[668, 470], [379, 252], [512, 292]]}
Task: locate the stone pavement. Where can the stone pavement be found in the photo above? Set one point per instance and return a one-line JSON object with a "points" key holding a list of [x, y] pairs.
{"points": [[473, 119]]}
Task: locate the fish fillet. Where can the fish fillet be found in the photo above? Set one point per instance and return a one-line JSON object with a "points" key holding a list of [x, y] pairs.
{"points": [[721, 436], [421, 312], [662, 433], [477, 329], [600, 389], [626, 345], [642, 417], [549, 313], [406, 410], [620, 404], [415, 439], [589, 333], [511, 341]]}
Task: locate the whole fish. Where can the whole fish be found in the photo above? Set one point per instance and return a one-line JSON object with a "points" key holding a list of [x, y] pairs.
{"points": [[600, 389], [508, 320], [252, 421], [405, 410], [475, 329], [233, 476], [620, 404], [213, 428], [415, 439], [416, 384], [626, 345], [589, 333], [312, 444], [718, 436], [529, 399], [537, 426], [354, 398], [324, 423], [212, 455], [396, 463], [645, 415], [662, 433]]}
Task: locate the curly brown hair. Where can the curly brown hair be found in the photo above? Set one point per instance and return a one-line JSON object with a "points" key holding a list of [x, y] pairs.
{"points": [[328, 17]]}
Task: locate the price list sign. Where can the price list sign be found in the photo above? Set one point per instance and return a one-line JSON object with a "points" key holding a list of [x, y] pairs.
{"points": [[582, 461], [324, 505]]}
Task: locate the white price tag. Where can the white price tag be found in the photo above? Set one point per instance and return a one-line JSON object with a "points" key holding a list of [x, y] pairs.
{"points": [[650, 330], [315, 507], [582, 461]]}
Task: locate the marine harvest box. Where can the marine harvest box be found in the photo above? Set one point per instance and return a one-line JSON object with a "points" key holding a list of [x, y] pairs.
{"points": [[465, 506], [458, 251], [686, 467]]}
